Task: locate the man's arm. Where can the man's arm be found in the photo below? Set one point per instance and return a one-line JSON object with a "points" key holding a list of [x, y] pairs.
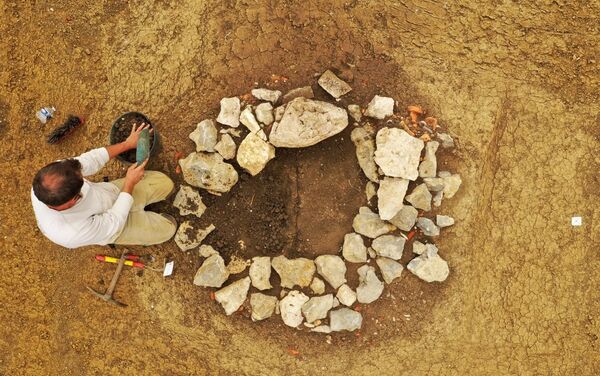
{"points": [[128, 144]]}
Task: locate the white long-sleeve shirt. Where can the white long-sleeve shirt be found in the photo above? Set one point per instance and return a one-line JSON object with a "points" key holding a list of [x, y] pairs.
{"points": [[97, 218]]}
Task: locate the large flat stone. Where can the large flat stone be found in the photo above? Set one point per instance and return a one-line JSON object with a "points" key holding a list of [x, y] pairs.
{"points": [[233, 296], [332, 268], [344, 319], [364, 141], [208, 171], [254, 154], [370, 224], [332, 84], [262, 306], [294, 272], [205, 136], [370, 287], [188, 201], [291, 308], [230, 112], [390, 196], [212, 273], [398, 153]]}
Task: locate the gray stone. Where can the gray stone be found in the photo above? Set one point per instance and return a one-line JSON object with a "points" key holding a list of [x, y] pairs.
{"points": [[419, 247], [390, 196], [206, 250], [304, 92], [321, 329], [212, 273], [444, 220], [370, 190], [254, 154], [205, 136], [369, 224], [398, 153], [389, 268], [264, 113], [249, 121], [451, 185], [437, 199], [260, 272], [428, 167], [354, 249], [232, 131], [429, 266], [294, 272], [188, 237], [428, 227], [226, 147], [447, 141], [434, 184], [333, 85], [290, 308], [317, 285], [332, 268], [307, 122], [188, 201], [267, 95], [317, 307], [230, 112], [344, 319], [420, 197], [233, 296], [355, 112], [405, 218], [364, 141], [380, 107], [389, 246], [346, 295], [369, 287], [262, 306], [444, 174], [208, 171]]}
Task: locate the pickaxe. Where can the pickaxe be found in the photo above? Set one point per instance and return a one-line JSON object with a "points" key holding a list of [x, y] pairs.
{"points": [[107, 296]]}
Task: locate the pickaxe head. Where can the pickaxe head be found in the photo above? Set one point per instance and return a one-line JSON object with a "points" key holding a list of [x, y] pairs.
{"points": [[106, 297]]}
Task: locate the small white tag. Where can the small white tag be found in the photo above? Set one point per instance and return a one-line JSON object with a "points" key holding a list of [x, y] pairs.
{"points": [[576, 221], [168, 268]]}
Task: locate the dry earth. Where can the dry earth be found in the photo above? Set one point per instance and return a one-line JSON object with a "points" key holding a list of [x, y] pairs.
{"points": [[517, 84]]}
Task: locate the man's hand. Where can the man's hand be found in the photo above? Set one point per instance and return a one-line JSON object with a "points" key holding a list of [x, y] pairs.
{"points": [[134, 174], [134, 136]]}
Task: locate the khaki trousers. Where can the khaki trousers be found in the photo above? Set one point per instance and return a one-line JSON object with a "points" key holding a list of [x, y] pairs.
{"points": [[145, 227]]}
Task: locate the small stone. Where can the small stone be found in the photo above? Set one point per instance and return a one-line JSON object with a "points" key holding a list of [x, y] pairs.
{"points": [[428, 227], [206, 250], [336, 302], [294, 272], [317, 307], [354, 111], [419, 247], [437, 199], [405, 218], [262, 306], [267, 95], [304, 92], [317, 285], [451, 185], [346, 295], [333, 85], [444, 174], [321, 329], [428, 167], [230, 112], [429, 267], [390, 196], [370, 190], [364, 141], [226, 147], [332, 268], [233, 296], [212, 273], [380, 107], [232, 131], [444, 220], [434, 184], [389, 246], [237, 265], [188, 237], [420, 197], [369, 224], [254, 154], [446, 139], [279, 111], [205, 136], [260, 272], [369, 287], [398, 153], [371, 252], [354, 249], [208, 171], [389, 268], [249, 121], [188, 201], [291, 308], [344, 319], [264, 113]]}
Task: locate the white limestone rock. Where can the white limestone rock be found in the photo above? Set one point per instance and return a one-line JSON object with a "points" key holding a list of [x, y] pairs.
{"points": [[437, 199], [332, 84], [380, 107], [364, 141], [428, 227], [420, 197], [262, 306], [317, 285], [205, 136], [230, 112], [317, 307], [188, 201], [260, 272], [406, 218], [346, 295], [212, 273], [434, 184], [249, 121], [389, 246], [188, 236], [370, 190], [354, 249], [355, 112], [254, 154], [398, 153], [226, 147], [267, 95], [444, 220], [390, 196], [264, 113], [369, 287], [389, 268], [418, 247], [344, 319], [290, 308], [332, 268], [233, 296], [451, 185], [206, 250], [369, 224], [208, 171], [429, 266], [294, 272], [321, 329], [428, 167]]}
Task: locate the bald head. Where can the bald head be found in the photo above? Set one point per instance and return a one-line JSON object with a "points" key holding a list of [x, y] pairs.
{"points": [[58, 182]]}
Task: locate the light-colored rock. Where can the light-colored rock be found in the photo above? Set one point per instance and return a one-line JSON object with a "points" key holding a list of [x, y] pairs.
{"points": [[307, 122], [304, 92], [212, 273], [279, 111], [298, 271], [420, 197], [290, 308], [434, 184], [254, 154], [364, 141], [226, 147], [188, 236], [380, 107], [264, 113], [389, 246], [390, 196], [354, 249], [336, 302], [355, 112], [206, 250], [419, 247], [444, 174], [446, 139], [398, 153], [232, 131], [406, 218], [208, 171], [317, 307], [428, 167], [321, 329], [233, 296], [188, 201], [428, 227], [344, 319], [429, 266], [333, 85], [369, 287], [267, 95], [371, 252], [346, 295], [444, 220], [451, 185], [262, 306], [317, 285], [237, 265], [369, 224], [437, 199], [260, 272], [370, 190], [230, 112], [389, 268], [332, 268], [205, 136], [249, 121]]}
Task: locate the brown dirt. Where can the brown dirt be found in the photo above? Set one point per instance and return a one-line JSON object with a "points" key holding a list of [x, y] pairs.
{"points": [[516, 84]]}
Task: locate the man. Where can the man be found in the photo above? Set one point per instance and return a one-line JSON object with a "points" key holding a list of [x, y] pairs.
{"points": [[74, 212]]}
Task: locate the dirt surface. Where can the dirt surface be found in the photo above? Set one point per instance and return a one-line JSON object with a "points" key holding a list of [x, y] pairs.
{"points": [[517, 84]]}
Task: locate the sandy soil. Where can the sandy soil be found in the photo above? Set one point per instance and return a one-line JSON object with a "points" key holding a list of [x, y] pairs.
{"points": [[517, 84]]}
